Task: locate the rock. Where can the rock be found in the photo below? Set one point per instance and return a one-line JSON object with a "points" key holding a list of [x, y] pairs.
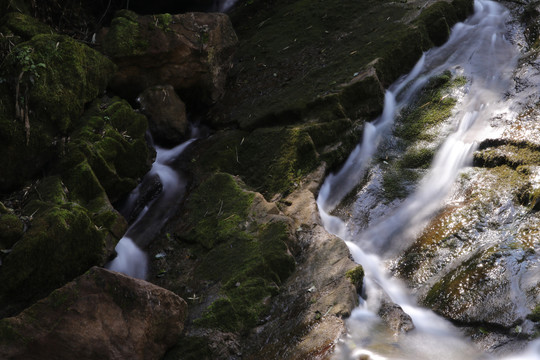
{"points": [[166, 114], [23, 26], [71, 219], [192, 52], [56, 77], [395, 318], [100, 315], [11, 230]]}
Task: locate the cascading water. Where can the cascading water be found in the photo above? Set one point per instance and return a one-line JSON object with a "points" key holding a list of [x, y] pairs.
{"points": [[131, 259], [478, 49]]}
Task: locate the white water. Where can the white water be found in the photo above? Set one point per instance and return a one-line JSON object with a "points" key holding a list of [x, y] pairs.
{"points": [[478, 49], [131, 259]]}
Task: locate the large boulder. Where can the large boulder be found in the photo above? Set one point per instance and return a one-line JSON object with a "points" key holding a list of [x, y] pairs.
{"points": [[100, 315], [192, 52], [71, 223], [166, 114], [50, 79]]}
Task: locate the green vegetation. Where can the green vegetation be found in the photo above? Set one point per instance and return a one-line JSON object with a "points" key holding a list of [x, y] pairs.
{"points": [[535, 314], [416, 124], [356, 276], [253, 260], [123, 38]]}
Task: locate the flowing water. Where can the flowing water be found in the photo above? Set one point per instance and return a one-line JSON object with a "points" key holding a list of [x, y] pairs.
{"points": [[171, 185], [479, 50]]}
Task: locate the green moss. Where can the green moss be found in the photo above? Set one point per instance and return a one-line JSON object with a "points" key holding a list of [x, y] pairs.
{"points": [[249, 260], [123, 38], [432, 108], [513, 155], [447, 296], [23, 25], [218, 208], [64, 236], [110, 139], [417, 158], [11, 230], [437, 20], [73, 74], [251, 268], [356, 277], [273, 159], [535, 314], [163, 21]]}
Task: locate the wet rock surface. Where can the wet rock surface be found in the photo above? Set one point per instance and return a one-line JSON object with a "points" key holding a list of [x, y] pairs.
{"points": [[192, 52], [247, 249], [100, 315]]}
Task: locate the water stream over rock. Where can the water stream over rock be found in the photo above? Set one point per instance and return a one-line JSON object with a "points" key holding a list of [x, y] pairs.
{"points": [[151, 214], [479, 50]]}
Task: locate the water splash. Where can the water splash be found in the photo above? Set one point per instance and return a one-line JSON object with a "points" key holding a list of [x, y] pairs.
{"points": [[479, 49]]}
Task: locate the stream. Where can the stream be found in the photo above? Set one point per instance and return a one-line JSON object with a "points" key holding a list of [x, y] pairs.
{"points": [[151, 214], [479, 50]]}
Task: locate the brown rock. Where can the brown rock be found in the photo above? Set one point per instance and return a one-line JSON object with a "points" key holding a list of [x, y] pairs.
{"points": [[166, 114], [100, 315], [394, 316], [192, 52]]}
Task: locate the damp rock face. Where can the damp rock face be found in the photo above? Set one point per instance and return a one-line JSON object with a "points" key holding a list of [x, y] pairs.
{"points": [[166, 114], [100, 315], [192, 52]]}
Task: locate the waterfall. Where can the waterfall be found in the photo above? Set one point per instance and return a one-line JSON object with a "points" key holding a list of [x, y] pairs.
{"points": [[479, 50], [131, 259]]}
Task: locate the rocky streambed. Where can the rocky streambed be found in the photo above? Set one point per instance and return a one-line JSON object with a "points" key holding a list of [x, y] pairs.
{"points": [[281, 90]]}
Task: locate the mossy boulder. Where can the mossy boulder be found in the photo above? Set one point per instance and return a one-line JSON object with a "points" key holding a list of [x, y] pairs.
{"points": [[65, 237], [233, 251], [11, 230], [192, 52], [269, 160], [73, 225], [23, 26], [111, 142], [50, 80]]}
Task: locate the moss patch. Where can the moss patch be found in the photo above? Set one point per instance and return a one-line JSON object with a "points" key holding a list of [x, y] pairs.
{"points": [[218, 208], [252, 268], [356, 277], [249, 261], [272, 159], [123, 38]]}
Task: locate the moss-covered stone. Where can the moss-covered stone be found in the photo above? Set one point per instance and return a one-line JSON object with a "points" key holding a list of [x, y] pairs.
{"points": [[304, 51], [55, 77], [251, 269], [253, 259], [111, 140], [11, 230], [61, 244], [218, 209], [535, 314], [272, 159], [123, 39], [356, 277], [23, 26]]}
